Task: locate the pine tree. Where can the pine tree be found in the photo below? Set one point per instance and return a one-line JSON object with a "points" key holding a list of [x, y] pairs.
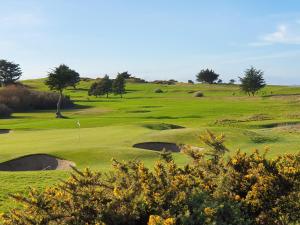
{"points": [[9, 72], [118, 86], [106, 85], [252, 81]]}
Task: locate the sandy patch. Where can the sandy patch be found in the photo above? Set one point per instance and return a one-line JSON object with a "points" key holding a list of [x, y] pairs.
{"points": [[36, 162]]}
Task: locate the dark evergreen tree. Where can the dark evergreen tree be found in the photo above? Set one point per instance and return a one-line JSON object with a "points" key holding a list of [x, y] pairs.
{"points": [[60, 78], [75, 80], [95, 89], [118, 86], [125, 74], [252, 81], [207, 76], [231, 81], [106, 85], [9, 72], [102, 87]]}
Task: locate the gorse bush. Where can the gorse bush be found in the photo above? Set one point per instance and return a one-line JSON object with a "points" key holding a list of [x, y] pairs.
{"points": [[20, 98], [242, 189]]}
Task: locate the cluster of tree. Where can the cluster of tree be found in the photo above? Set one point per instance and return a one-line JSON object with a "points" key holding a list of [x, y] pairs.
{"points": [[249, 189], [252, 81], [105, 86]]}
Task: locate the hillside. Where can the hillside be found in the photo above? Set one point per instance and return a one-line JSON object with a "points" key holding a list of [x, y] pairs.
{"points": [[109, 127]]}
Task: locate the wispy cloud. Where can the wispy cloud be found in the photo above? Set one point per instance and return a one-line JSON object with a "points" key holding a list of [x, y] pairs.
{"points": [[284, 34], [280, 55]]}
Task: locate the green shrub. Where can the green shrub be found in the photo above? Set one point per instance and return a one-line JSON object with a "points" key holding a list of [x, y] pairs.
{"points": [[198, 94], [158, 90]]}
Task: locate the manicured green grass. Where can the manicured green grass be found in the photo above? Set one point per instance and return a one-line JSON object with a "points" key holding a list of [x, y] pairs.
{"points": [[109, 127]]}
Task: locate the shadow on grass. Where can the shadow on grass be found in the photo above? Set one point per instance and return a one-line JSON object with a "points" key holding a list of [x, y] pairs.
{"points": [[143, 97], [78, 106], [131, 90], [151, 106], [78, 89], [153, 117], [172, 117], [100, 100]]}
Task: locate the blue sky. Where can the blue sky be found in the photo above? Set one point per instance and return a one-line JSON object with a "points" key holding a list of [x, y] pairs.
{"points": [[155, 39]]}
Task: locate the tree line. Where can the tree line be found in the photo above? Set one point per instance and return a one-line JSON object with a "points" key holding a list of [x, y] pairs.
{"points": [[62, 77], [105, 86], [251, 82]]}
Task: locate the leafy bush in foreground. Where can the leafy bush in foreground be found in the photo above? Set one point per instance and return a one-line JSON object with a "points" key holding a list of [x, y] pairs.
{"points": [[243, 189], [20, 98]]}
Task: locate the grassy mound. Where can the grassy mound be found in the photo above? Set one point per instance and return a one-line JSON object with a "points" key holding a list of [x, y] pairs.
{"points": [[108, 128]]}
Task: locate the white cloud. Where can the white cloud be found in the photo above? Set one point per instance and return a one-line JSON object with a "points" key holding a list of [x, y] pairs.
{"points": [[284, 34], [244, 59]]}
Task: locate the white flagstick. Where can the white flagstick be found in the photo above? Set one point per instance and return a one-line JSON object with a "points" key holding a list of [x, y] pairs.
{"points": [[78, 124]]}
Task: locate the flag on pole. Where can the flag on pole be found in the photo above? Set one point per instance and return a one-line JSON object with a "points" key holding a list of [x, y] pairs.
{"points": [[78, 124]]}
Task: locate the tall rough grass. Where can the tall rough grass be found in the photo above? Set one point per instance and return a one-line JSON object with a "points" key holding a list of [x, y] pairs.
{"points": [[20, 98]]}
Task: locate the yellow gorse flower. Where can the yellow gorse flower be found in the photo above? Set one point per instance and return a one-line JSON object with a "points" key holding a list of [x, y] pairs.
{"points": [[234, 161], [209, 211]]}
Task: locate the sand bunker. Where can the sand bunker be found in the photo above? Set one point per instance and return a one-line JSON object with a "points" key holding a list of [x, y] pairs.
{"points": [[4, 131], [158, 146], [36, 162]]}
